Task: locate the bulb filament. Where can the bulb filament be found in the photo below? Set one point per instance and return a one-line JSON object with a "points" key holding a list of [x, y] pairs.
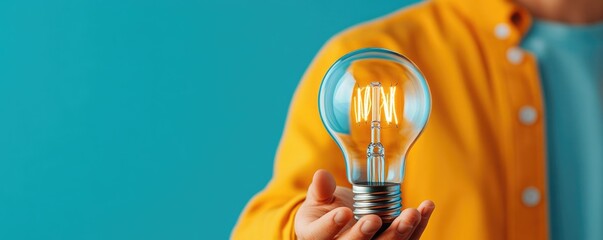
{"points": [[365, 100]]}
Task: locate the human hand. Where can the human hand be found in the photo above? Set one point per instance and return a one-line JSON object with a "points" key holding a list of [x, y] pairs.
{"points": [[326, 214]]}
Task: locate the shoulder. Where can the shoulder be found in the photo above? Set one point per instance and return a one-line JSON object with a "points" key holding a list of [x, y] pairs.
{"points": [[425, 21]]}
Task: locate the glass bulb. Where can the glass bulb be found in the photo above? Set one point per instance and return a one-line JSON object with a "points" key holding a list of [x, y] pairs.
{"points": [[374, 103]]}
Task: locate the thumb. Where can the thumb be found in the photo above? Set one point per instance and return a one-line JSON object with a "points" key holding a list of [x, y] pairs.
{"points": [[322, 188]]}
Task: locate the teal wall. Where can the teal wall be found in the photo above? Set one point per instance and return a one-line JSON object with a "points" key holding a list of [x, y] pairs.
{"points": [[149, 119]]}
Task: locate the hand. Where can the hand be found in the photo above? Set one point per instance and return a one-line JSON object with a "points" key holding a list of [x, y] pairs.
{"points": [[326, 214]]}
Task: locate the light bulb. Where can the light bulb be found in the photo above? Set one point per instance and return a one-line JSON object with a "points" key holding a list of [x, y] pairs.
{"points": [[375, 103]]}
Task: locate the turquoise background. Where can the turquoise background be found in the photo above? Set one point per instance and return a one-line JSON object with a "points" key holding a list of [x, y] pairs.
{"points": [[150, 119]]}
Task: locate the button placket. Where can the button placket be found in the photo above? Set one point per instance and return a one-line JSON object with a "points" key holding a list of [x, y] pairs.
{"points": [[527, 197]]}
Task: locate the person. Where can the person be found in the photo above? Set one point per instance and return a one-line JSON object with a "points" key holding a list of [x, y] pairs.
{"points": [[514, 145]]}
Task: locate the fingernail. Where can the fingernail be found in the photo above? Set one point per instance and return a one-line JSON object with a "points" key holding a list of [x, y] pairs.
{"points": [[427, 212], [369, 227], [340, 218]]}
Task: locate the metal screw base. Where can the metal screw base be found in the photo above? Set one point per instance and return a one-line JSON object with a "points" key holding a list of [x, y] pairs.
{"points": [[381, 199]]}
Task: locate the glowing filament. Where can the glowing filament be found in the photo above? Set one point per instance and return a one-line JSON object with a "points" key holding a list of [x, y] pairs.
{"points": [[362, 104]]}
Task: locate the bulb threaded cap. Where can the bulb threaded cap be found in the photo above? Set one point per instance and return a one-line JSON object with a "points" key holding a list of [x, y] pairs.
{"points": [[381, 199]]}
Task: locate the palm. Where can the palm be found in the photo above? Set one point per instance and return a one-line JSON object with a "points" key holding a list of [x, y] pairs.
{"points": [[326, 214]]}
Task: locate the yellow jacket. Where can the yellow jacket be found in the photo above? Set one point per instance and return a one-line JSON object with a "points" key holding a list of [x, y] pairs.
{"points": [[481, 158]]}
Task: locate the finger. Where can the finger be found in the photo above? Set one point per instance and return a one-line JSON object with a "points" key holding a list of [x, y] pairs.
{"points": [[426, 208], [322, 188], [329, 225], [403, 226], [365, 228]]}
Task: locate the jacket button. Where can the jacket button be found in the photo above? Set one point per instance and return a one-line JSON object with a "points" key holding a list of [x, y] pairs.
{"points": [[527, 115], [502, 31], [530, 196], [515, 55]]}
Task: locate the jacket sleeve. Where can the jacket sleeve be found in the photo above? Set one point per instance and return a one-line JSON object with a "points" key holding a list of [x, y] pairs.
{"points": [[304, 148]]}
